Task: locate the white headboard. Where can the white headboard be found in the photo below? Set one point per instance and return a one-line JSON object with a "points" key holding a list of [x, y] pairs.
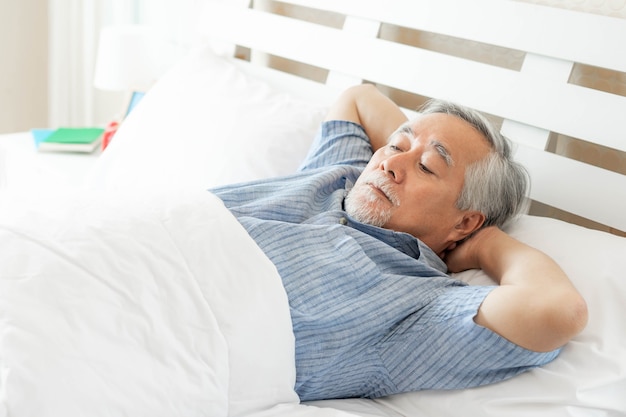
{"points": [[536, 103]]}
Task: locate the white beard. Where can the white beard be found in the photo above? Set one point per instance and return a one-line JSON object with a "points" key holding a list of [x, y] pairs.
{"points": [[366, 206]]}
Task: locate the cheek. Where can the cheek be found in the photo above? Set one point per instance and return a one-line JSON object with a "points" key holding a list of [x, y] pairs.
{"points": [[438, 193], [427, 204], [373, 163], [372, 166]]}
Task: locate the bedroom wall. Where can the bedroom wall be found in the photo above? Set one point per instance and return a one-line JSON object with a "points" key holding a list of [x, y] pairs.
{"points": [[23, 73]]}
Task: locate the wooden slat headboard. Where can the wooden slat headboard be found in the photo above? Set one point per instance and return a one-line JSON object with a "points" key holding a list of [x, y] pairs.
{"points": [[535, 102]]}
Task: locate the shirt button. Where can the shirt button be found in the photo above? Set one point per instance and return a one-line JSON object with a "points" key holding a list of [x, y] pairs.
{"points": [[343, 221]]}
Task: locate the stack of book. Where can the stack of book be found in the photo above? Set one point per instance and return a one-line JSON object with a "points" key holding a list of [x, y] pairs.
{"points": [[68, 139]]}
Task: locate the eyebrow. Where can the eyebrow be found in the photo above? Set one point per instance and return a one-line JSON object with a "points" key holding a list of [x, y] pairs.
{"points": [[439, 147], [443, 152]]}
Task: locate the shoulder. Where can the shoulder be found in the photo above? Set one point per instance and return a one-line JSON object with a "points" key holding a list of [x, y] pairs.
{"points": [[338, 142]]}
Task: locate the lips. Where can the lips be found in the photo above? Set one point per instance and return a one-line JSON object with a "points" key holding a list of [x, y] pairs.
{"points": [[379, 191], [382, 187]]}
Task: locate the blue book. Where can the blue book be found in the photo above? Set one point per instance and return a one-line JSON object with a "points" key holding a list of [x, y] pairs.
{"points": [[40, 134]]}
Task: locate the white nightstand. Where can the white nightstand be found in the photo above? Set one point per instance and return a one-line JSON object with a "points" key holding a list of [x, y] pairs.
{"points": [[22, 166]]}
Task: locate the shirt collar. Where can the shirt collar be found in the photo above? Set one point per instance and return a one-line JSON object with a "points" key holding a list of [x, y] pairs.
{"points": [[404, 242]]}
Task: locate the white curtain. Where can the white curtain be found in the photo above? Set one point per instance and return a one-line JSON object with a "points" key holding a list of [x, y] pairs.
{"points": [[74, 28]]}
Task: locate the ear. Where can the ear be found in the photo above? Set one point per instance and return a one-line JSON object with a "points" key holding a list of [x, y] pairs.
{"points": [[469, 223]]}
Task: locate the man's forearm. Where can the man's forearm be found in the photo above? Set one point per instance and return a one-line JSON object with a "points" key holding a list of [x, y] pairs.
{"points": [[366, 105], [536, 306]]}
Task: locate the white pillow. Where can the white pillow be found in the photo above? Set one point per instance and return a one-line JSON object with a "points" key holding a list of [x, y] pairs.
{"points": [[207, 123]]}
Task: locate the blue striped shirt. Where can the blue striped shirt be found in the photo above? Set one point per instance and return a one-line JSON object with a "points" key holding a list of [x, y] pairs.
{"points": [[373, 311]]}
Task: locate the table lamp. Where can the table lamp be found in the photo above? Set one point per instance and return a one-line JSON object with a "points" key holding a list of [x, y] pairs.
{"points": [[126, 61]]}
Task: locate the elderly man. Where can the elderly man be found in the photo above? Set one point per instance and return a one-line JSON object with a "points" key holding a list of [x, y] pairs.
{"points": [[364, 236]]}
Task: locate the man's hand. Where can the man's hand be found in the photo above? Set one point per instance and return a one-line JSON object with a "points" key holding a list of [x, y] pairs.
{"points": [[463, 256], [535, 306]]}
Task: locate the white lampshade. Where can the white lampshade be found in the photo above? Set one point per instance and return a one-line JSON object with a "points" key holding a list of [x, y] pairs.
{"points": [[127, 59]]}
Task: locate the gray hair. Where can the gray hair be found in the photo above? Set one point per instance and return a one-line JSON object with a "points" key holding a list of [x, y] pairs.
{"points": [[495, 185]]}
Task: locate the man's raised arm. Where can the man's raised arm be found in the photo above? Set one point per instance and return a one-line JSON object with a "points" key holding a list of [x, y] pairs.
{"points": [[536, 306], [366, 105]]}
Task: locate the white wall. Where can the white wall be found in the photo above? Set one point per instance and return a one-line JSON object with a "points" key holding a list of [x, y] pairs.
{"points": [[23, 64]]}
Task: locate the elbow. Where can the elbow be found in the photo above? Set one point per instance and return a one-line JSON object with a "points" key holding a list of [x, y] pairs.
{"points": [[577, 316], [568, 317]]}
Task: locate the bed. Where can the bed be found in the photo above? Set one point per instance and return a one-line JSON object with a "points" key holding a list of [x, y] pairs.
{"points": [[141, 295]]}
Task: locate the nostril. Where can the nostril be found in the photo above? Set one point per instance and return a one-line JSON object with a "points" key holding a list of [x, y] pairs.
{"points": [[387, 170]]}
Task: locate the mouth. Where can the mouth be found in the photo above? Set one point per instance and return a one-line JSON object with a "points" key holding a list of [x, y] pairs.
{"points": [[379, 192], [379, 189]]}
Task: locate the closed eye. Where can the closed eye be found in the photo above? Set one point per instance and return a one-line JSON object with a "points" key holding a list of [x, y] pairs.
{"points": [[425, 169], [395, 148]]}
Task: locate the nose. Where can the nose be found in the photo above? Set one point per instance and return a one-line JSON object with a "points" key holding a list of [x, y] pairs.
{"points": [[393, 166]]}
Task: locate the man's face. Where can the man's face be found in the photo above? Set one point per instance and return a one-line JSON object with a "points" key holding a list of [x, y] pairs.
{"points": [[412, 184]]}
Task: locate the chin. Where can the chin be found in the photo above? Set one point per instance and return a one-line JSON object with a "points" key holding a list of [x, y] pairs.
{"points": [[367, 208]]}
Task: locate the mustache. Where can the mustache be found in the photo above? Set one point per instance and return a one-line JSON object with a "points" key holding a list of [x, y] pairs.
{"points": [[384, 184]]}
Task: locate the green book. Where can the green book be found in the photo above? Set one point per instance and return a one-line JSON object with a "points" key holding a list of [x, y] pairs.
{"points": [[72, 139]]}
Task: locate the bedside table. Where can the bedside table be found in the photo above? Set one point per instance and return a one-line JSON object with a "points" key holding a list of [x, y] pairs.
{"points": [[22, 166]]}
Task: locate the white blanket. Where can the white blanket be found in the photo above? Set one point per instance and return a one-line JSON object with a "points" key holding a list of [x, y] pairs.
{"points": [[154, 305], [162, 305]]}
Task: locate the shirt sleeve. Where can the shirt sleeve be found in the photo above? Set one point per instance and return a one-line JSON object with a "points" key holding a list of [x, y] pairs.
{"points": [[338, 142], [442, 347]]}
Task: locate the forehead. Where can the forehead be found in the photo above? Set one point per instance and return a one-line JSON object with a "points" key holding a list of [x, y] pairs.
{"points": [[460, 138], [444, 124]]}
